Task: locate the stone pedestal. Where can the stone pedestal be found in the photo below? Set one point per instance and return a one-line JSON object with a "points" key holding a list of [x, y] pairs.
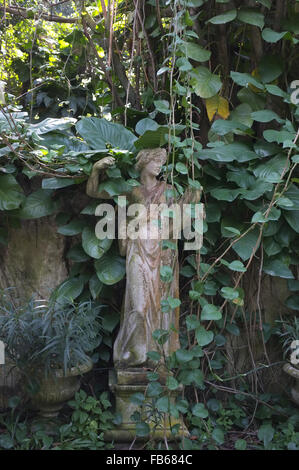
{"points": [[124, 384]]}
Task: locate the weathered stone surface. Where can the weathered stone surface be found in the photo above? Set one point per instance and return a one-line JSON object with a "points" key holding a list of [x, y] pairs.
{"points": [[33, 262]]}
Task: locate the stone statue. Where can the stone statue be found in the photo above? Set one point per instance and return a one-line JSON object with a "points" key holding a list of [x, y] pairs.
{"points": [[141, 312], [144, 290]]}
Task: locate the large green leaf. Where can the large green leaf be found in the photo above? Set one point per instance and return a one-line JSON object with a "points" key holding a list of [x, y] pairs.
{"points": [[227, 153], [205, 83], [270, 68], [100, 132], [224, 18], [245, 246], [146, 124], [38, 204], [275, 267], [272, 36], [153, 138], [69, 290], [271, 171], [251, 16], [110, 269], [195, 51], [11, 194], [203, 336], [244, 79], [92, 245], [292, 219], [51, 124]]}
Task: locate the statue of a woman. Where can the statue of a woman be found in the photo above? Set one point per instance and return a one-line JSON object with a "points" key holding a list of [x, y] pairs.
{"points": [[141, 312]]}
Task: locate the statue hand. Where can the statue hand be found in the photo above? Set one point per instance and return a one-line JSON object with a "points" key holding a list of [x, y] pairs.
{"points": [[192, 195], [104, 163]]}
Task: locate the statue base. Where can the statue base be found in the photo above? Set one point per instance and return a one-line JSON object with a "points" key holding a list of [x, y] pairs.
{"points": [[124, 384]]}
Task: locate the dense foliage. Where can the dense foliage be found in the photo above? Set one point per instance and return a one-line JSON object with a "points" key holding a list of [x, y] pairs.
{"points": [[215, 82]]}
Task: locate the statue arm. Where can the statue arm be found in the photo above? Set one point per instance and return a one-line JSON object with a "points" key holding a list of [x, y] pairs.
{"points": [[93, 180]]}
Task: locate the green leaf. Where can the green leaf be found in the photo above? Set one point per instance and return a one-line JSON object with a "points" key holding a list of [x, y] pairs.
{"points": [[51, 124], [272, 36], [224, 18], [173, 303], [100, 132], [233, 329], [195, 52], [153, 139], [166, 273], [292, 219], [218, 435], [154, 389], [210, 312], [251, 16], [137, 398], [247, 244], [163, 404], [162, 106], [270, 68], [203, 336], [38, 204], [292, 302], [275, 267], [95, 286], [237, 266], [272, 170], [184, 355], [172, 383], [146, 124], [142, 429], [200, 410], [11, 194], [229, 293], [244, 79], [56, 183], [265, 115], [92, 245], [110, 321], [266, 434], [224, 194], [181, 168], [183, 64], [154, 356], [204, 83], [240, 444], [72, 228], [110, 269], [69, 290]]}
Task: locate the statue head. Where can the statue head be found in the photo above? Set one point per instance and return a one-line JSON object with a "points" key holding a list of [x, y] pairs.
{"points": [[151, 160]]}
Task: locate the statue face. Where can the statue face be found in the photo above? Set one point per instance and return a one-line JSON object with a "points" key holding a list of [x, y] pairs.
{"points": [[153, 168]]}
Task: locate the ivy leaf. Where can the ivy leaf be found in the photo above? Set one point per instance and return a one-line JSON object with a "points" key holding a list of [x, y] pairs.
{"points": [[244, 79], [199, 410], [292, 302], [251, 16], [69, 290], [11, 194], [110, 269], [100, 132], [265, 115], [266, 434], [142, 429], [224, 18], [229, 293], [272, 36], [247, 244], [272, 170], [218, 435], [195, 52], [92, 245], [38, 204], [205, 83], [275, 267], [203, 336], [210, 312], [56, 183]]}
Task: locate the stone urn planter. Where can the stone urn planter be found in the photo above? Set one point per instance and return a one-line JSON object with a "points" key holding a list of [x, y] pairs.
{"points": [[293, 372], [56, 390]]}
